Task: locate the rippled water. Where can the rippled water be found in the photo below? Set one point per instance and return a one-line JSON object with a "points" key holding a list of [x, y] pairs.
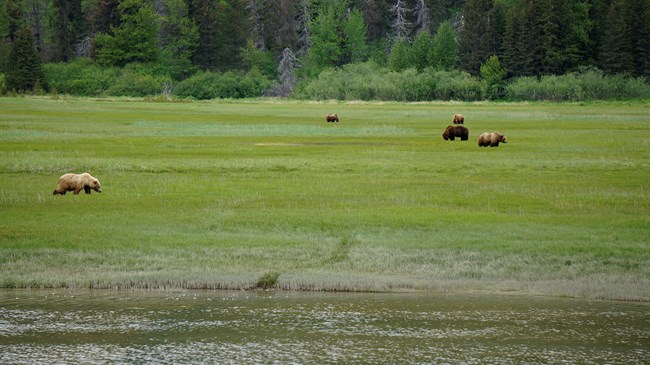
{"points": [[100, 327]]}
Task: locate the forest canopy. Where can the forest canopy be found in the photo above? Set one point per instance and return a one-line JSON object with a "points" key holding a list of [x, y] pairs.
{"points": [[454, 49]]}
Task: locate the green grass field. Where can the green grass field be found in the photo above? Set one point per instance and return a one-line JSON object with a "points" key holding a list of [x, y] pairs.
{"points": [[266, 193]]}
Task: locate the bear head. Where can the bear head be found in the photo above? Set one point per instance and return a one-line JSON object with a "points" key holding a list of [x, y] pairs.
{"points": [[93, 184], [449, 132]]}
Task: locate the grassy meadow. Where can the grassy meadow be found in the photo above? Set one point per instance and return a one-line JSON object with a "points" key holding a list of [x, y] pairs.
{"points": [[265, 193]]}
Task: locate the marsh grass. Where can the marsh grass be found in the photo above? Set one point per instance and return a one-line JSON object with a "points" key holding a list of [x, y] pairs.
{"points": [[233, 194]]}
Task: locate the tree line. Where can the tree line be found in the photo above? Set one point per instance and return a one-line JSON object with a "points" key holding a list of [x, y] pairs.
{"points": [[275, 43]]}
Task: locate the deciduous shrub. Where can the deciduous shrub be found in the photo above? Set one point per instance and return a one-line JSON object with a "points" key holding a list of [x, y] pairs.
{"points": [[369, 81], [80, 77], [211, 85], [587, 84]]}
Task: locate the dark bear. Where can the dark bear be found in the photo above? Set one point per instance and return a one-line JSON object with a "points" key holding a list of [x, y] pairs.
{"points": [[454, 131], [332, 118]]}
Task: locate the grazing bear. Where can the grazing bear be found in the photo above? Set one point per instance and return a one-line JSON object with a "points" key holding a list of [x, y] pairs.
{"points": [[76, 183], [454, 131], [491, 139], [458, 119], [332, 118]]}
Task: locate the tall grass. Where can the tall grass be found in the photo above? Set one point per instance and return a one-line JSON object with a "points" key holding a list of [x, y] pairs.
{"points": [[267, 194]]}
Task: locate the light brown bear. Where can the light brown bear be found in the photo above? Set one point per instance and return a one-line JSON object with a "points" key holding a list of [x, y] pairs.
{"points": [[458, 119], [332, 118], [454, 131], [491, 139], [76, 183]]}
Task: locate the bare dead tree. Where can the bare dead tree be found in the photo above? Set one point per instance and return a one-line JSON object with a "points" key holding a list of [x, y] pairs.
{"points": [[401, 24], [258, 26], [304, 39], [423, 20], [286, 70]]}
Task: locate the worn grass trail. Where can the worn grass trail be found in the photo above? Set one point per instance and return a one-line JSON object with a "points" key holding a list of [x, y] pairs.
{"points": [[224, 194]]}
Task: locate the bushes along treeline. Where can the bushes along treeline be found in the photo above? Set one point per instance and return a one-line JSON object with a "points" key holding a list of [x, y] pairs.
{"points": [[361, 81]]}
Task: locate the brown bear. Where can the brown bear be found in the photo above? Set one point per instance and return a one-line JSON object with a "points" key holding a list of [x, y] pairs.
{"points": [[454, 131], [332, 118], [76, 183], [491, 139], [458, 119]]}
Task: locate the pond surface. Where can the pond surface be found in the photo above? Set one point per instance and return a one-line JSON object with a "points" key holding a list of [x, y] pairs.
{"points": [[225, 327]]}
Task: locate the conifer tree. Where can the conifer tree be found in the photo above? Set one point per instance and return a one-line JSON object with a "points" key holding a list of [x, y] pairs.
{"points": [[68, 28], [375, 13], [473, 43], [134, 40], [420, 51], [355, 31], [24, 70], [616, 55], [178, 37], [444, 52]]}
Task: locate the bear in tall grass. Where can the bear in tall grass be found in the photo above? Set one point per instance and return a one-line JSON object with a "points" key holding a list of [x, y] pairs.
{"points": [[458, 119], [76, 183], [491, 139], [330, 118], [454, 131]]}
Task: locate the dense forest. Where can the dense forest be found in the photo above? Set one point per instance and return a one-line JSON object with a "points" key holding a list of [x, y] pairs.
{"points": [[367, 49]]}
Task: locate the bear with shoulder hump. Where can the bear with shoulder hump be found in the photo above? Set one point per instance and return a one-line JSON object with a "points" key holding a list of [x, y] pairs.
{"points": [[76, 183], [491, 139], [458, 119], [330, 118], [453, 131]]}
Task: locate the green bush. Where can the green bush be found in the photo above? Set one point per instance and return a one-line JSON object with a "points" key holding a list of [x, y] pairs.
{"points": [[206, 85], [3, 84], [131, 83], [369, 81], [587, 84], [80, 77]]}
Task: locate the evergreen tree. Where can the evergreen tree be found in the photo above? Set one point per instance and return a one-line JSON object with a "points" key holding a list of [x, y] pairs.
{"points": [[304, 36], [233, 27], [327, 38], [492, 76], [134, 40], [255, 58], [473, 43], [355, 38], [224, 26], [280, 26], [444, 52], [204, 13], [616, 55], [178, 37], [258, 28], [639, 10], [24, 71], [14, 16], [68, 28], [420, 51], [400, 56], [375, 13], [104, 16]]}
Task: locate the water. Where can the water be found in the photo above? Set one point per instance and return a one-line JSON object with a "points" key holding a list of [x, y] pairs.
{"points": [[225, 327]]}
